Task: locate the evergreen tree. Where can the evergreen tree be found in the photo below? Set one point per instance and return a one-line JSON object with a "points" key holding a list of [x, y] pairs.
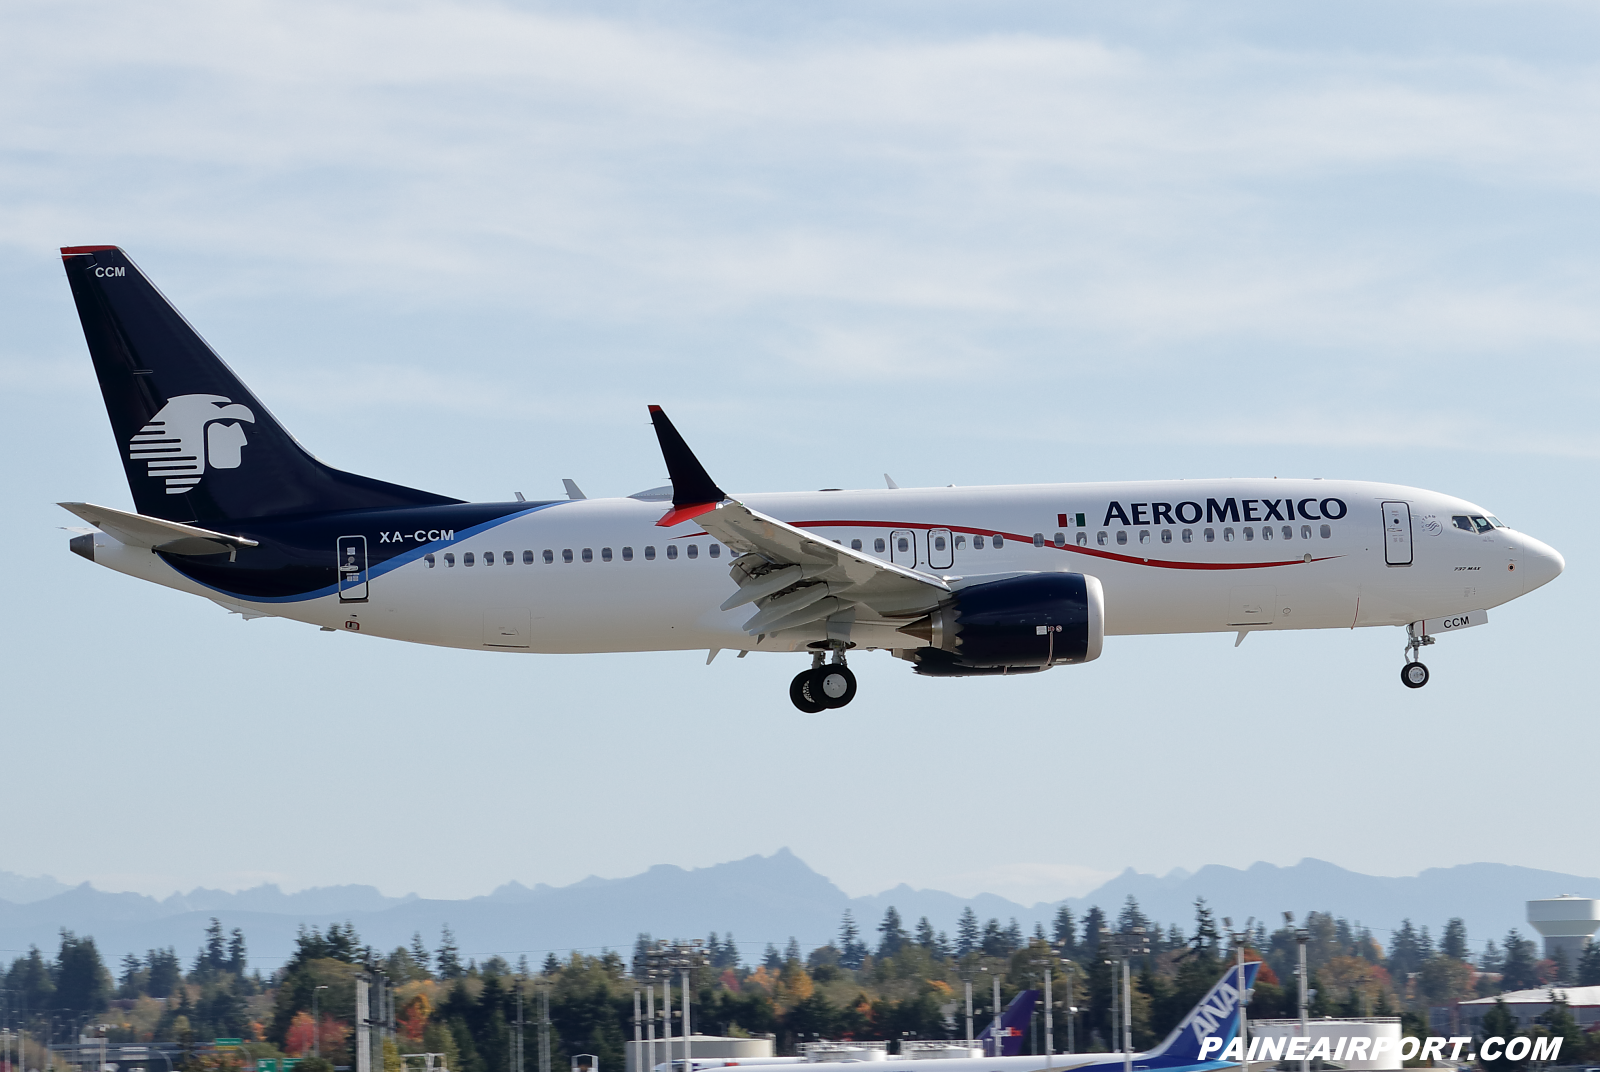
{"points": [[1206, 940], [212, 959], [892, 935], [1499, 1021], [82, 983], [551, 965], [1093, 921], [1518, 971], [1453, 943], [1064, 933], [1492, 960], [993, 942], [852, 951], [238, 958], [1012, 936], [925, 936], [1131, 916], [448, 956], [1589, 965], [641, 953], [165, 972], [968, 936], [419, 952], [1405, 952], [791, 952], [771, 960], [130, 984]]}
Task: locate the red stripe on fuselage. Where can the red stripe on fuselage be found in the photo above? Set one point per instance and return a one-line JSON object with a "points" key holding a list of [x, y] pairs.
{"points": [[1110, 556]]}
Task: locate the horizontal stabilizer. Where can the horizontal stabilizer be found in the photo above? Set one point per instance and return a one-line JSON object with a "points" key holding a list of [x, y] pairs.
{"points": [[173, 537]]}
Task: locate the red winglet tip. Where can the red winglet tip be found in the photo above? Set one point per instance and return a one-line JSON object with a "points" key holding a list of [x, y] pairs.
{"points": [[68, 251], [679, 514]]}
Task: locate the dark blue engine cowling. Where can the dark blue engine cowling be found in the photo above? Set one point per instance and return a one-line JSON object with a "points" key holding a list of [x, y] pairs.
{"points": [[1014, 626]]}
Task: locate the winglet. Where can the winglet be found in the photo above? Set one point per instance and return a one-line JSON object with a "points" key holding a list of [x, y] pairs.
{"points": [[693, 491]]}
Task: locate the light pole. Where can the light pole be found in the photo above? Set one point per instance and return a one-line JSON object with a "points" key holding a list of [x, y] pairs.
{"points": [[1046, 962], [1122, 946], [994, 1029], [1239, 939], [316, 1023], [1301, 937], [1070, 1009]]}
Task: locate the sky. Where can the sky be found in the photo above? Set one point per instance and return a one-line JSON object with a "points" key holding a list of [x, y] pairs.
{"points": [[461, 246]]}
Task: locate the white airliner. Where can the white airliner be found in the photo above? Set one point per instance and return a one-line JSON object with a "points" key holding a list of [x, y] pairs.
{"points": [[957, 581]]}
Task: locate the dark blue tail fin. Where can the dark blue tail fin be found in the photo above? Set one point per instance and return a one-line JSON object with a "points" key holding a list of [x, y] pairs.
{"points": [[1215, 1017], [196, 444], [1013, 1026]]}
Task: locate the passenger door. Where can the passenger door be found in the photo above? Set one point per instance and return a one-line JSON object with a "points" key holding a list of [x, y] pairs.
{"points": [[351, 555], [941, 552], [1397, 533], [903, 548]]}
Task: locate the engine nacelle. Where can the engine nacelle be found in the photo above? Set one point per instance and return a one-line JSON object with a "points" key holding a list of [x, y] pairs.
{"points": [[1019, 625]]}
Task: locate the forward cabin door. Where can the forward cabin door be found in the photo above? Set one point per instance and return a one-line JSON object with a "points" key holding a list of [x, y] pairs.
{"points": [[1397, 533], [903, 548]]}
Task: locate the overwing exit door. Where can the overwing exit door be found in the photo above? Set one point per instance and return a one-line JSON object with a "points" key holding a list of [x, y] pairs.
{"points": [[941, 553], [1397, 533], [351, 555], [903, 548]]}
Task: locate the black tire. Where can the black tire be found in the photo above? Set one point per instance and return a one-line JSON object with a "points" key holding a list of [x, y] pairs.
{"points": [[802, 689], [836, 685], [1411, 678]]}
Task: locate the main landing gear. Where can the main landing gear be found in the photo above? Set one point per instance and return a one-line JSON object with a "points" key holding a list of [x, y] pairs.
{"points": [[1413, 675], [824, 685]]}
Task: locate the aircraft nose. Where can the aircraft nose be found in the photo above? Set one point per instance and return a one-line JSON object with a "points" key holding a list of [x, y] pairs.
{"points": [[1541, 564]]}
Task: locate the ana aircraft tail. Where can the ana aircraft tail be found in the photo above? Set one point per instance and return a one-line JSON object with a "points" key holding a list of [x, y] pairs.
{"points": [[196, 444], [1013, 1026], [1216, 1016]]}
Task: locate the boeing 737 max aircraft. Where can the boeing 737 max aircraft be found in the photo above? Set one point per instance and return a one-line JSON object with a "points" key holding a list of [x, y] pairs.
{"points": [[957, 581]]}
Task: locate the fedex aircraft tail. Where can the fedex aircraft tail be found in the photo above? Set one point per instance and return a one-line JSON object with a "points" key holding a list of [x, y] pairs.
{"points": [[1013, 1024], [1217, 1017], [196, 444]]}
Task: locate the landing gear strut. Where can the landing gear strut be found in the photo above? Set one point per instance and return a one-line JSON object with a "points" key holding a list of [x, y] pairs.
{"points": [[1413, 675], [825, 685]]}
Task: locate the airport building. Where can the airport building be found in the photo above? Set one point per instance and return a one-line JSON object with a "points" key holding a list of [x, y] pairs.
{"points": [[1526, 1005], [701, 1048], [1335, 1029]]}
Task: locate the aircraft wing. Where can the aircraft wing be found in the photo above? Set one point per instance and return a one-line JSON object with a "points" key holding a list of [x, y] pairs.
{"points": [[796, 577]]}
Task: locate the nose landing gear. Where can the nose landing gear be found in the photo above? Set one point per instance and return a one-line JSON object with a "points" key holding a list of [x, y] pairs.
{"points": [[1414, 675], [823, 685]]}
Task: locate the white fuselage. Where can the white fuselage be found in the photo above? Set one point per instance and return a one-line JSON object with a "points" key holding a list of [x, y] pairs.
{"points": [[1172, 557]]}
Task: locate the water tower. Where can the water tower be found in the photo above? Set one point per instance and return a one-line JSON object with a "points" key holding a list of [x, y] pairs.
{"points": [[1567, 923]]}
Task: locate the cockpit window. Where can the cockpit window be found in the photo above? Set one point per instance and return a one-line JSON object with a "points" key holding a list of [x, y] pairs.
{"points": [[1496, 522], [1473, 523], [1481, 523]]}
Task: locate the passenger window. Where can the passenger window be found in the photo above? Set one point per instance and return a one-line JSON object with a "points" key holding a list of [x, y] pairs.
{"points": [[1188, 535], [449, 559], [878, 546], [999, 541], [1462, 522], [902, 543], [1211, 535], [1166, 535], [1249, 533], [549, 556], [428, 558], [961, 543], [855, 545], [566, 554], [1227, 535], [1038, 539], [1122, 536], [1061, 539], [488, 558], [508, 558], [694, 550], [715, 550], [938, 543], [1100, 538], [1305, 532], [588, 554], [1144, 535], [605, 554], [1083, 538], [649, 553], [627, 554], [1326, 532], [1266, 532], [527, 558], [977, 543], [672, 550], [466, 558]]}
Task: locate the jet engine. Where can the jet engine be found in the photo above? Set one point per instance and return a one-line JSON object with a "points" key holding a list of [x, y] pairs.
{"points": [[1019, 625]]}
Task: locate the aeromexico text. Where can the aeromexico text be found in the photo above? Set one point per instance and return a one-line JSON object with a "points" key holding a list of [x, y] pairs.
{"points": [[1236, 510], [1359, 1048]]}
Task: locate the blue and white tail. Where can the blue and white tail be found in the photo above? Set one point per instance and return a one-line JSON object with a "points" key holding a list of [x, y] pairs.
{"points": [[1216, 1017]]}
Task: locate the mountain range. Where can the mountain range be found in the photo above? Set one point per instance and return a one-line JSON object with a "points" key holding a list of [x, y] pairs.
{"points": [[759, 899]]}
